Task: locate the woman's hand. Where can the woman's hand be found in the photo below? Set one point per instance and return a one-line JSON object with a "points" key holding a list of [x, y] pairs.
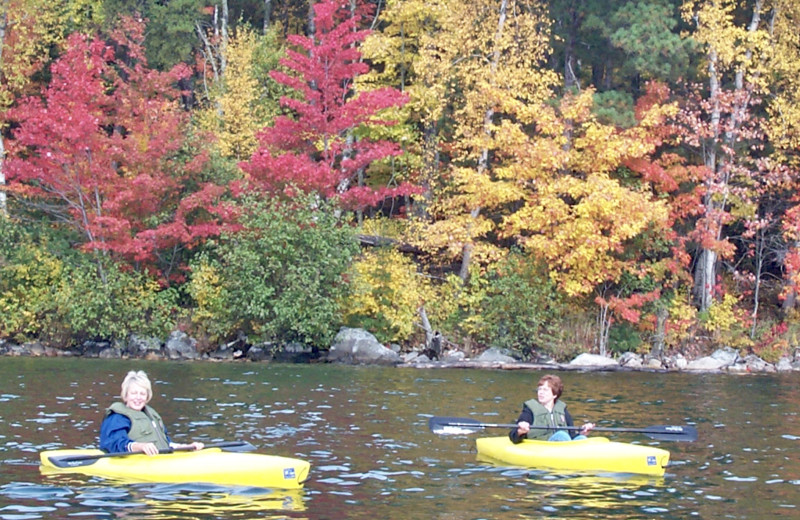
{"points": [[147, 448], [586, 428], [194, 446], [523, 428]]}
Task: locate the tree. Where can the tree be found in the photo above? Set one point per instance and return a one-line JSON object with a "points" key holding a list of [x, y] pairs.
{"points": [[171, 37], [101, 150], [737, 59], [28, 29], [323, 148], [409, 56], [239, 102], [577, 211], [497, 70]]}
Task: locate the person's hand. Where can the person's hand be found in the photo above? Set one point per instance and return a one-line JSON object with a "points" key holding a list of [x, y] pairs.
{"points": [[586, 428], [523, 427], [147, 448], [191, 446]]}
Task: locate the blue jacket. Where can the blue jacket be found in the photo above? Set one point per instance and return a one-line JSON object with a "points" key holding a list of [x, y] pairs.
{"points": [[114, 433]]}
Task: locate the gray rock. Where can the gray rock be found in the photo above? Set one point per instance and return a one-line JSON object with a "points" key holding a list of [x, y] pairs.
{"points": [[140, 346], [754, 363], [784, 365], [257, 353], [359, 347], [180, 346], [592, 360], [495, 355], [706, 363], [721, 358], [631, 360], [457, 355]]}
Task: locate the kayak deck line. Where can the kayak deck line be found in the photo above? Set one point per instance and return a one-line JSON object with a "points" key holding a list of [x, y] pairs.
{"points": [[595, 454], [213, 466]]}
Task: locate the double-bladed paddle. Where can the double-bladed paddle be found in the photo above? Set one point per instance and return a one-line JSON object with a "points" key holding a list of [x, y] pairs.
{"points": [[464, 425], [73, 461]]}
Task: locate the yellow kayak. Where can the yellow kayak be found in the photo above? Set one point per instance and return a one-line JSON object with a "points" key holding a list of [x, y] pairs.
{"points": [[211, 465], [595, 454]]}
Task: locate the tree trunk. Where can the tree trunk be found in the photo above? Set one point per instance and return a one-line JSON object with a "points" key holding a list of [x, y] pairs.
{"points": [[570, 76], [3, 24], [720, 165], [483, 161], [430, 168], [267, 15], [603, 328], [659, 339], [312, 25], [704, 276], [223, 44], [761, 241]]}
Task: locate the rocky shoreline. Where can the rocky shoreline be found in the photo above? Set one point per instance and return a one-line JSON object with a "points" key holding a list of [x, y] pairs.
{"points": [[359, 347]]}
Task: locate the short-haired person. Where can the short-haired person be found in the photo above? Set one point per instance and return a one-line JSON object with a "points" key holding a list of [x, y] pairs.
{"points": [[134, 426], [548, 415]]}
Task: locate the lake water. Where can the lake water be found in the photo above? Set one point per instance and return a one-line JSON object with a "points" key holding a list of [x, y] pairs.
{"points": [[364, 430]]}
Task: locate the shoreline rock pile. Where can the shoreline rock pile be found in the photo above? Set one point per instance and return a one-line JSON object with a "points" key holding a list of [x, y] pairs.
{"points": [[359, 347]]}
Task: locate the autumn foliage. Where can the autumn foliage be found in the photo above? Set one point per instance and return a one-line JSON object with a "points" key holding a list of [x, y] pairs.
{"points": [[103, 148], [322, 145], [565, 183]]}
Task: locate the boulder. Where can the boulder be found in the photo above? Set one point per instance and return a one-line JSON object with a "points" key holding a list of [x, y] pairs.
{"points": [[631, 360], [141, 346], [295, 352], [359, 347], [180, 346], [593, 360], [720, 359], [496, 355]]}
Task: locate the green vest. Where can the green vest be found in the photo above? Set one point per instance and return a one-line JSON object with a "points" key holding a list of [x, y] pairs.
{"points": [[543, 417], [146, 425]]}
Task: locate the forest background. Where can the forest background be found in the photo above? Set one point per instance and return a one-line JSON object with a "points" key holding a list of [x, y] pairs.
{"points": [[551, 177]]}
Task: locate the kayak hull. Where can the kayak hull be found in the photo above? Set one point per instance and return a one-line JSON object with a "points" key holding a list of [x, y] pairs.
{"points": [[595, 454], [212, 466]]}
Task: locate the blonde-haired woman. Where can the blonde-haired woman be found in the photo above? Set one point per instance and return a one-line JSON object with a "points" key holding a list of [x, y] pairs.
{"points": [[133, 425]]}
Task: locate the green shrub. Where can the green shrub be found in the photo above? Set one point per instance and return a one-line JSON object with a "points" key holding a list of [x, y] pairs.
{"points": [[280, 278], [623, 337], [61, 296], [520, 306], [386, 295], [110, 305]]}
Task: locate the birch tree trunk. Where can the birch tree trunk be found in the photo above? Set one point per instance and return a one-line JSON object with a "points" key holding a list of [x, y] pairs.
{"points": [[483, 161], [267, 15], [720, 165], [3, 24]]}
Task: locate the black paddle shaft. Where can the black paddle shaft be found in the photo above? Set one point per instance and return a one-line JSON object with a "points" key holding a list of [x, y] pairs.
{"points": [[74, 461], [463, 425]]}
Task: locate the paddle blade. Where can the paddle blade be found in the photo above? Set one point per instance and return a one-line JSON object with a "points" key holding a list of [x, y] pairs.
{"points": [[76, 461], [236, 446], [460, 425], [671, 433]]}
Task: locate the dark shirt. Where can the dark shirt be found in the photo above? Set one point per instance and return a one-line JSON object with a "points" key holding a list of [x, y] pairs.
{"points": [[527, 416]]}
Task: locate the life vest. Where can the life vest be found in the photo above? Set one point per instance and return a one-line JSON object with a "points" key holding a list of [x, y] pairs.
{"points": [[550, 421], [146, 425]]}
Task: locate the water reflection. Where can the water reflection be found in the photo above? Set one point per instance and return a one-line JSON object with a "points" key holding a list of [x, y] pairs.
{"points": [[145, 501]]}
